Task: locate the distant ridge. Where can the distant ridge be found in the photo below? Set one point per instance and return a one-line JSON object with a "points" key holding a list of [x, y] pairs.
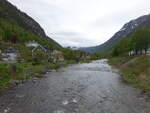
{"points": [[124, 32]]}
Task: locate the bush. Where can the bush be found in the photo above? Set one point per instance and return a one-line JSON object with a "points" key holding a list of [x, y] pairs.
{"points": [[4, 75]]}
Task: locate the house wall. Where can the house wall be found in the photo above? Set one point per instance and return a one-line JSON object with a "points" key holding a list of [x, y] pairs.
{"points": [[57, 56], [148, 52], [143, 52], [10, 57], [32, 44]]}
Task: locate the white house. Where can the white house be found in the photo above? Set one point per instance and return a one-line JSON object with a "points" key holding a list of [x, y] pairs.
{"points": [[148, 52], [131, 53], [10, 54], [38, 47], [32, 44]]}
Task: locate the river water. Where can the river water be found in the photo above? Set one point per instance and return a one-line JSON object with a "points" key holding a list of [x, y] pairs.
{"points": [[82, 88]]}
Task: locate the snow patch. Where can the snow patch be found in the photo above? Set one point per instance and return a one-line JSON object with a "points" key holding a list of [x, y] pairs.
{"points": [[122, 29]]}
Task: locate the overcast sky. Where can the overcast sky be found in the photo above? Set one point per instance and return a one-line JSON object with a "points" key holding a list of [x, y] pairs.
{"points": [[82, 22]]}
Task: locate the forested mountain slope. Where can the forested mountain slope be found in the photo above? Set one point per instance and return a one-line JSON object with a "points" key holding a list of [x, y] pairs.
{"points": [[12, 20]]}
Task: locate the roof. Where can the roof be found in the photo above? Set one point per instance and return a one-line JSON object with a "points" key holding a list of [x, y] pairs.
{"points": [[39, 46], [10, 50]]}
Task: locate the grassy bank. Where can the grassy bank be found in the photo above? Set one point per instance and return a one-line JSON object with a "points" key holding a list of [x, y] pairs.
{"points": [[135, 70], [26, 70]]}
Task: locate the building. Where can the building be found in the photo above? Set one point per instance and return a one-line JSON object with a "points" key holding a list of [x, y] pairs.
{"points": [[131, 53], [57, 56], [148, 52], [10, 54], [32, 44], [86, 56], [38, 49]]}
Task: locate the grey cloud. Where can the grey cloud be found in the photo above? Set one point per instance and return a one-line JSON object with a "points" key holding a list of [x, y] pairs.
{"points": [[82, 22], [72, 38]]}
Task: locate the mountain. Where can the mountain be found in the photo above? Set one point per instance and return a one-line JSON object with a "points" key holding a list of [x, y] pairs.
{"points": [[124, 32], [11, 15]]}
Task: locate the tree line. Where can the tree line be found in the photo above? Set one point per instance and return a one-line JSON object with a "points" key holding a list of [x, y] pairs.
{"points": [[138, 42]]}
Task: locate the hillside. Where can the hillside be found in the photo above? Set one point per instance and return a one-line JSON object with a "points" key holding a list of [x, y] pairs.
{"points": [[12, 18], [124, 32]]}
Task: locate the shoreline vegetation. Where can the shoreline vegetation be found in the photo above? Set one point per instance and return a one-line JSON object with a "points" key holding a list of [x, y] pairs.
{"points": [[135, 70], [132, 56], [28, 70]]}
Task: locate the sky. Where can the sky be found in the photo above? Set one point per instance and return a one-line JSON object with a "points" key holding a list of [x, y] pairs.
{"points": [[82, 23]]}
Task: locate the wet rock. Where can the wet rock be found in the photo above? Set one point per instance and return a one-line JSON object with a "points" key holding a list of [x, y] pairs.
{"points": [[65, 102], [53, 70], [34, 80], [6, 110], [74, 101], [20, 96], [16, 82]]}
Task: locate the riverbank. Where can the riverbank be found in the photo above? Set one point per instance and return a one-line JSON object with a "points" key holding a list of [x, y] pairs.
{"points": [[28, 70], [81, 88], [134, 70]]}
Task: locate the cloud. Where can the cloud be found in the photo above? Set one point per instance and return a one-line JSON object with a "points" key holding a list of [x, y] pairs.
{"points": [[73, 38], [82, 22]]}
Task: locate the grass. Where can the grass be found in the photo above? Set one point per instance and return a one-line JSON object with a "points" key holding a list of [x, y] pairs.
{"points": [[135, 70], [85, 60], [4, 75], [25, 70]]}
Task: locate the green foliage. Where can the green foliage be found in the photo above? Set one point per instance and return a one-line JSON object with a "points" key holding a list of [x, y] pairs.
{"points": [[39, 57], [25, 52], [7, 30], [1, 34], [140, 40], [4, 75], [72, 54], [119, 60], [25, 70], [121, 48], [13, 21]]}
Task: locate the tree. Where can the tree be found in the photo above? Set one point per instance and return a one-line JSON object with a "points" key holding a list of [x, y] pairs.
{"points": [[1, 34], [122, 48], [14, 38], [141, 40]]}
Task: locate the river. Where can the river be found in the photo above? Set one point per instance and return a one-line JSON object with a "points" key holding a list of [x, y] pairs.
{"points": [[81, 88]]}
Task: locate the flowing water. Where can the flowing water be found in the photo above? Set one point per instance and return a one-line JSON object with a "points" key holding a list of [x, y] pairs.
{"points": [[82, 88]]}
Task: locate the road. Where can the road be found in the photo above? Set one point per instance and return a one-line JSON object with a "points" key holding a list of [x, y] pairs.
{"points": [[82, 88]]}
